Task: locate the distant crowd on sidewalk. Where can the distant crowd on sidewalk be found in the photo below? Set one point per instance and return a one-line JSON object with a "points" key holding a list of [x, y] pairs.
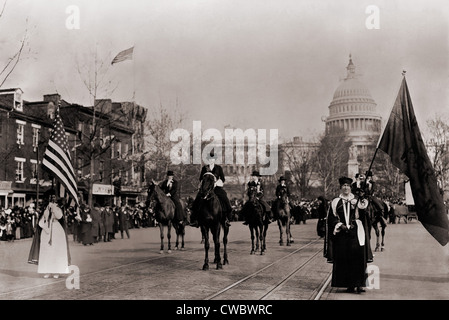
{"points": [[96, 222]]}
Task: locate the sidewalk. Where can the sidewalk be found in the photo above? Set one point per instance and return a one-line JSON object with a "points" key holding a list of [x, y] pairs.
{"points": [[414, 266]]}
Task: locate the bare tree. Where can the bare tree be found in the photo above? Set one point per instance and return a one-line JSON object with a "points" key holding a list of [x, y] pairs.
{"points": [[158, 127], [438, 145], [94, 75], [12, 62], [331, 160], [300, 158]]}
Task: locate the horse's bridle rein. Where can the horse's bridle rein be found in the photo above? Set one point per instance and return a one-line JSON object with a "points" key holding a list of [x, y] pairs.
{"points": [[208, 193]]}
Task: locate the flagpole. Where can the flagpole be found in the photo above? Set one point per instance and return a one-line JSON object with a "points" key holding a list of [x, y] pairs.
{"points": [[383, 130], [134, 75], [380, 137], [391, 109]]}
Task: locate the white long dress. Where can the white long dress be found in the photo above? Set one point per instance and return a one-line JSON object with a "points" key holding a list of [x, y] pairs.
{"points": [[53, 257]]}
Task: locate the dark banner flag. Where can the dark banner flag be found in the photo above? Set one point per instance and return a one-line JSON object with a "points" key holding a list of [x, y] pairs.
{"points": [[402, 141]]}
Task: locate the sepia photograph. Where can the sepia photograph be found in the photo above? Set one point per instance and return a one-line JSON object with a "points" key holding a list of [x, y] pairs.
{"points": [[223, 157]]}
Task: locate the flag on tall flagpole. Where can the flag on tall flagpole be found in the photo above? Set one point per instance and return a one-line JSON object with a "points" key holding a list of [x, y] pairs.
{"points": [[403, 142], [57, 158], [123, 55]]}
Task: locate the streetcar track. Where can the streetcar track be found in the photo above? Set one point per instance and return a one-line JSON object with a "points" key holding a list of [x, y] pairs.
{"points": [[254, 274], [323, 287], [289, 276], [93, 273], [100, 274]]}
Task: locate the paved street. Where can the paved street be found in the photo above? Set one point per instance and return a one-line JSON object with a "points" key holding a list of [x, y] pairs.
{"points": [[413, 266]]}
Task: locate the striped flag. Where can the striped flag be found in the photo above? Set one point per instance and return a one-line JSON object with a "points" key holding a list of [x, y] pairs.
{"points": [[57, 158], [123, 55]]}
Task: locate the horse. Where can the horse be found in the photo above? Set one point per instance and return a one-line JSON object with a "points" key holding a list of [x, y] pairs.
{"points": [[211, 219], [257, 222], [164, 211], [377, 218], [281, 210]]}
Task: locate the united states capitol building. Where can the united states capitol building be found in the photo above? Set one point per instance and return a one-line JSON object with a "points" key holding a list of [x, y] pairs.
{"points": [[353, 109], [352, 112]]}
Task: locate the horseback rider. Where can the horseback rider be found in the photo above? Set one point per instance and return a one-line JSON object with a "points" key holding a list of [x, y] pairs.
{"points": [[363, 188], [256, 183], [217, 171], [281, 189], [170, 188]]}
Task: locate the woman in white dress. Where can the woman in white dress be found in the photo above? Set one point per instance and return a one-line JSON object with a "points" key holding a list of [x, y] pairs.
{"points": [[53, 253]]}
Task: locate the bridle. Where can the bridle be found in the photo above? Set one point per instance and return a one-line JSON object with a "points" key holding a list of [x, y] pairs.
{"points": [[208, 194]]}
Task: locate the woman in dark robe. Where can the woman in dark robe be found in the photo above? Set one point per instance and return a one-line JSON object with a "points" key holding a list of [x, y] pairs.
{"points": [[346, 232], [86, 227]]}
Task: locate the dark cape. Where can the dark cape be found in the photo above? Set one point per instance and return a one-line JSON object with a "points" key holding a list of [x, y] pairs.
{"points": [[343, 249]]}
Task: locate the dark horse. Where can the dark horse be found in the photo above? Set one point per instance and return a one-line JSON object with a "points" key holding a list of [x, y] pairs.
{"points": [[281, 210], [164, 211], [211, 218], [257, 221], [376, 217]]}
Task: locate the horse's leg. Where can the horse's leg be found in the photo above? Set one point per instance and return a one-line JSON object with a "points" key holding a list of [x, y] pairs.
{"points": [[205, 233], [251, 229], [265, 228], [225, 243], [161, 229], [177, 237], [183, 233], [376, 230], [216, 237], [169, 236], [287, 231], [281, 241], [261, 239], [257, 237], [383, 226]]}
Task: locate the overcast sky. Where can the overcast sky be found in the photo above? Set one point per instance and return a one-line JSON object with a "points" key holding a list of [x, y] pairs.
{"points": [[262, 64]]}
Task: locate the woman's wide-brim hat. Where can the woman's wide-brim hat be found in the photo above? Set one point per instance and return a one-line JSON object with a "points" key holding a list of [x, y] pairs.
{"points": [[255, 174], [344, 180]]}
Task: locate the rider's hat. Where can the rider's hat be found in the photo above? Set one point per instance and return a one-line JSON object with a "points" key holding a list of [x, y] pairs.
{"points": [[255, 174], [282, 178], [170, 173], [212, 154], [368, 174], [344, 180]]}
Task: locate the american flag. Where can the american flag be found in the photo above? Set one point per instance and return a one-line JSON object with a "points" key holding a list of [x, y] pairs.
{"points": [[57, 158], [123, 55]]}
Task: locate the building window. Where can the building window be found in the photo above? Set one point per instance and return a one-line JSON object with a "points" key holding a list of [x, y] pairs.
{"points": [[18, 103], [79, 165], [101, 171], [34, 173], [19, 169], [36, 131], [125, 152], [112, 150], [20, 132], [80, 131], [119, 150]]}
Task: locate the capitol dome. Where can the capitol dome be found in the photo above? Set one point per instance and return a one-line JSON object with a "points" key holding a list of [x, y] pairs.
{"points": [[354, 110]]}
